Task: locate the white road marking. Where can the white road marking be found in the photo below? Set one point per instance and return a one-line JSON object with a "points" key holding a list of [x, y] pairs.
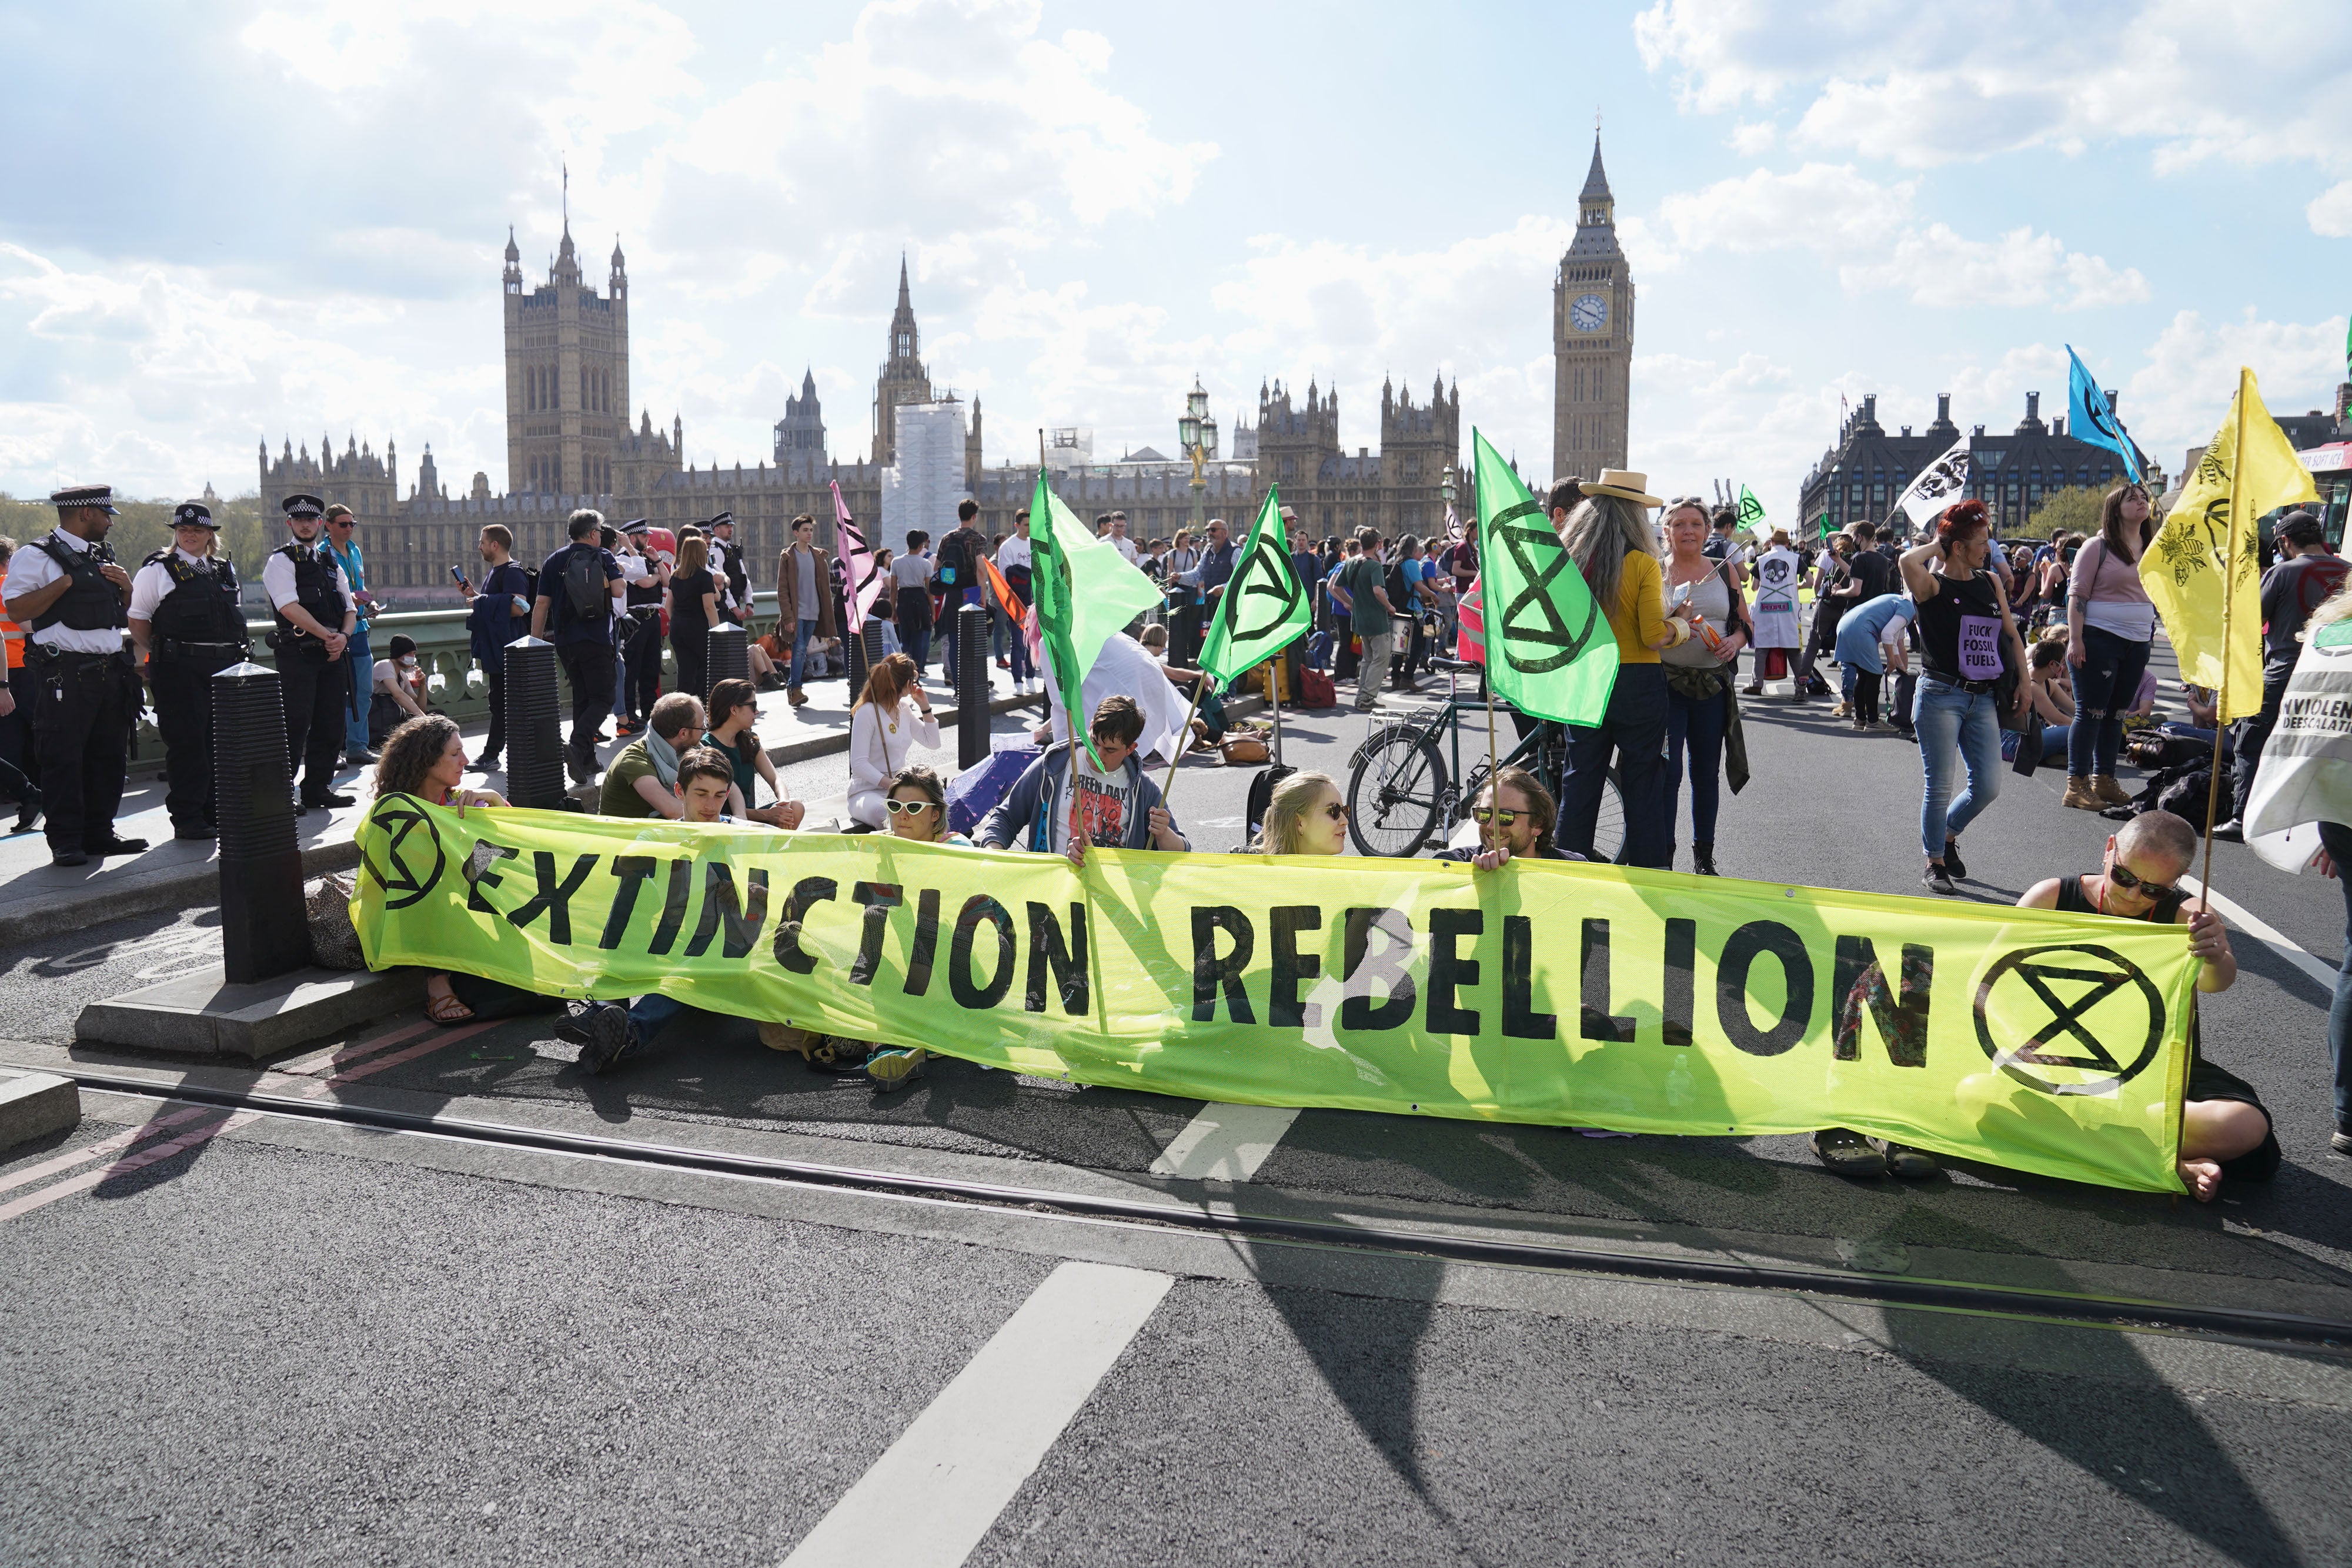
{"points": [[1225, 1143], [2265, 932], [937, 1491]]}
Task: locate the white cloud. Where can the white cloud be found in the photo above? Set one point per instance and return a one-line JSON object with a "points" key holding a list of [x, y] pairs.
{"points": [[2191, 373], [1870, 231], [2252, 81], [2330, 211], [1754, 139]]}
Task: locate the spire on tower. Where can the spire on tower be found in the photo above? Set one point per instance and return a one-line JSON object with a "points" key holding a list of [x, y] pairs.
{"points": [[905, 300], [1596, 180]]}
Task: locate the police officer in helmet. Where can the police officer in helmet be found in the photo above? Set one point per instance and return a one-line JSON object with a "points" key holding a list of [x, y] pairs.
{"points": [[187, 626], [67, 588], [312, 601]]}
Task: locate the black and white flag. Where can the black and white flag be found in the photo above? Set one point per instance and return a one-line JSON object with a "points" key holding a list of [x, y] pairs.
{"points": [[1940, 484]]}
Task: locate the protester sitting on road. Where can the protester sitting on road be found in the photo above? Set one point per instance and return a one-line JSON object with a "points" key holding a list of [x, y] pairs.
{"points": [[1514, 814], [425, 757], [1965, 632], [1209, 712], [2224, 1129], [705, 783], [1870, 639], [1305, 817], [737, 704], [642, 781], [918, 810], [2052, 692], [395, 690], [1119, 806], [891, 716]]}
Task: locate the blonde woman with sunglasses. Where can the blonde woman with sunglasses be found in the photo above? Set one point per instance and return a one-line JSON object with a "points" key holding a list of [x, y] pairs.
{"points": [[1305, 817], [916, 810]]}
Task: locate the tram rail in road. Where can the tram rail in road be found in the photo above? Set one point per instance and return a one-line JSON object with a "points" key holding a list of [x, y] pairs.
{"points": [[1565, 1255]]}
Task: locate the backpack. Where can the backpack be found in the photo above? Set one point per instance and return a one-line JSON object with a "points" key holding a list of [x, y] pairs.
{"points": [[1399, 591], [950, 566], [583, 584]]}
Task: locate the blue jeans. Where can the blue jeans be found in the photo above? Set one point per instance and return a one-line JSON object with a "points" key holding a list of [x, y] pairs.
{"points": [[1947, 717], [2338, 839], [1695, 732], [362, 668], [916, 643], [2104, 685], [1634, 727], [649, 1012], [1022, 668], [803, 631]]}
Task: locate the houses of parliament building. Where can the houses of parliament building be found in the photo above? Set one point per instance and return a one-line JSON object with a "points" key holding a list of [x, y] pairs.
{"points": [[570, 443]]}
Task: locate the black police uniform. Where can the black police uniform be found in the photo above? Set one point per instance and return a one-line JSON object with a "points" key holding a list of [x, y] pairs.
{"points": [[641, 653], [317, 688], [83, 708], [198, 631]]}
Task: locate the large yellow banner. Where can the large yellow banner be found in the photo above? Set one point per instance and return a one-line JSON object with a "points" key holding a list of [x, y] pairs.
{"points": [[1548, 992]]}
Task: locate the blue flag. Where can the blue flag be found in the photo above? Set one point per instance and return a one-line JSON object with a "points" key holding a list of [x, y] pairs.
{"points": [[2090, 417]]}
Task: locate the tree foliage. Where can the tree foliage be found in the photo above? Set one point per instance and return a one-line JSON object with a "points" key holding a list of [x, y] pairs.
{"points": [[145, 526]]}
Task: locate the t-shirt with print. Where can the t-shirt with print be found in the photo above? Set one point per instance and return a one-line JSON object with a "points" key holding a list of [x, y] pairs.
{"points": [[1106, 804]]}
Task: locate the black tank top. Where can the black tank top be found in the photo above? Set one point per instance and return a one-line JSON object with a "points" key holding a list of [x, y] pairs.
{"points": [[1960, 629], [2072, 900]]}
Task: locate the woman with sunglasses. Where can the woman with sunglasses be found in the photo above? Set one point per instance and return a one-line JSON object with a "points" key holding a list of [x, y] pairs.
{"points": [[916, 807], [1305, 817], [892, 715], [2224, 1130]]}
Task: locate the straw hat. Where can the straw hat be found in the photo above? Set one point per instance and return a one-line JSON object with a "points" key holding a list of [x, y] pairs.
{"points": [[1623, 484]]}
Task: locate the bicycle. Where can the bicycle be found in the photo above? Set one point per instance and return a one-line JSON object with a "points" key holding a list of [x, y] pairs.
{"points": [[1401, 795]]}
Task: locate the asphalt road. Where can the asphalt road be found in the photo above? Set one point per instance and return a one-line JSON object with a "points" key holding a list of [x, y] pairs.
{"points": [[298, 1342]]}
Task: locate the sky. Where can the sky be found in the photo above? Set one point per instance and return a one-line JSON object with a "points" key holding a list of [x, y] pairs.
{"points": [[259, 222]]}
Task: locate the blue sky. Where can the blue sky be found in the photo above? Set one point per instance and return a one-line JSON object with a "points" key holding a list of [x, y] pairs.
{"points": [[259, 220]]}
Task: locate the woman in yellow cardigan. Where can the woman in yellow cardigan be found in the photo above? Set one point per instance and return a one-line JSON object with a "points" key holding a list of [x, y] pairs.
{"points": [[1609, 536]]}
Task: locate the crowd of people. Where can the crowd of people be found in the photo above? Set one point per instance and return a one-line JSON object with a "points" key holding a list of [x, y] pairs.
{"points": [[1951, 639]]}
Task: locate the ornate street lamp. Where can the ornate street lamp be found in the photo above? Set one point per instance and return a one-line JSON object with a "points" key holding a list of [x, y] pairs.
{"points": [[1190, 430]]}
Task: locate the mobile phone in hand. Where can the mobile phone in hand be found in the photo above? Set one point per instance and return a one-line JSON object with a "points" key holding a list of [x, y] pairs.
{"points": [[456, 577]]}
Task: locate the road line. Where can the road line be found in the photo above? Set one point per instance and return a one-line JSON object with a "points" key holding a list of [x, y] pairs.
{"points": [[342, 1054], [2264, 932], [129, 1162], [937, 1491], [316, 1089], [102, 1148], [1225, 1143]]}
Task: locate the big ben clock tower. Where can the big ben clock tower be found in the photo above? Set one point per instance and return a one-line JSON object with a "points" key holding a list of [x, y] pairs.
{"points": [[1592, 336]]}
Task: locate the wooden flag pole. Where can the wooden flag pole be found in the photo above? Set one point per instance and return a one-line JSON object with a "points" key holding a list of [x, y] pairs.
{"points": [[2229, 595], [1069, 712], [1184, 736]]}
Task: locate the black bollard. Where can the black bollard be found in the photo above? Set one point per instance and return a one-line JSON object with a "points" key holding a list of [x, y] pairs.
{"points": [[534, 727], [971, 687], [730, 660], [264, 930]]}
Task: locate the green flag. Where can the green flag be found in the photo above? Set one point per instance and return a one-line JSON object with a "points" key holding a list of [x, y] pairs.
{"points": [[1263, 608], [1558, 656], [1823, 529], [1085, 591], [1751, 510]]}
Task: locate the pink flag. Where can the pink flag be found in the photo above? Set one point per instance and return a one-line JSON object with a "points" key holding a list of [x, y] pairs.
{"points": [[856, 559], [1471, 645]]}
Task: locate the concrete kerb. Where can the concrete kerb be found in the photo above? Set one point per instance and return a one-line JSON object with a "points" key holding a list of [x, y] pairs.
{"points": [[198, 885]]}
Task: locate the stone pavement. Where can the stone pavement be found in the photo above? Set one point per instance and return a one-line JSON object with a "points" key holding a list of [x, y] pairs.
{"points": [[35, 895]]}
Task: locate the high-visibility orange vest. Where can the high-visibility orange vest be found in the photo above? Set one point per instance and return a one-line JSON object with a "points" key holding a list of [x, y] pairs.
{"points": [[16, 637]]}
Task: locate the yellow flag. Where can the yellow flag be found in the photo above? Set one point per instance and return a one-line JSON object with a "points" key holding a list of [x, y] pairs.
{"points": [[2202, 571]]}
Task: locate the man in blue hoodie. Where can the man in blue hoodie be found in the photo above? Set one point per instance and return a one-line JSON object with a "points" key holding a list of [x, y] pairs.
{"points": [[1119, 806]]}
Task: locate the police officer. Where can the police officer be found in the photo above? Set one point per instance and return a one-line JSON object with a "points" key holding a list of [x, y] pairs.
{"points": [[727, 565], [67, 588], [187, 626], [642, 631], [312, 601]]}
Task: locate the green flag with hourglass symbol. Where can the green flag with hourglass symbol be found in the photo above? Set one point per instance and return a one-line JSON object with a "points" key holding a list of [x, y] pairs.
{"points": [[1263, 608], [1549, 649]]}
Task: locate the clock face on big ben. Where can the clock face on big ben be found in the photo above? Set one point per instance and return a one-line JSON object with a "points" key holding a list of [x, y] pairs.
{"points": [[1589, 314]]}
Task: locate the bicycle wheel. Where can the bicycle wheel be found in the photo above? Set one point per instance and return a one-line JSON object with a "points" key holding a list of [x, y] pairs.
{"points": [[1392, 795], [1609, 828]]}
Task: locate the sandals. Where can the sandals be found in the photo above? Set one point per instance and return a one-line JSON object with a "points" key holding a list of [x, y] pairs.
{"points": [[448, 1011], [896, 1068], [1848, 1152]]}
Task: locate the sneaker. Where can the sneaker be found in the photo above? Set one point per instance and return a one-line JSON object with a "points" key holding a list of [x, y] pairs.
{"points": [[610, 1034], [361, 759], [1952, 861], [896, 1068], [843, 1058], [2340, 1140], [1848, 1152], [1937, 880], [1903, 1160]]}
